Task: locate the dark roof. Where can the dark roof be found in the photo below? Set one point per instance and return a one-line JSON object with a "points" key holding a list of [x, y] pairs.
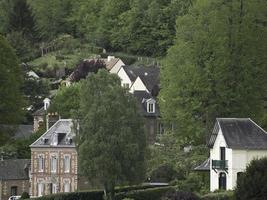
{"points": [[142, 98], [61, 132], [205, 166], [24, 131], [149, 75], [39, 112], [17, 169], [240, 133]]}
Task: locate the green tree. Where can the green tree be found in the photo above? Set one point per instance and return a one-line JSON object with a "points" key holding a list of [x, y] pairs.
{"points": [[67, 101], [111, 143], [216, 67], [251, 185], [11, 100]]}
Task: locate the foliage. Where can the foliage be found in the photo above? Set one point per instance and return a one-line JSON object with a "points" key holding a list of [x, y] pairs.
{"points": [[148, 194], [111, 144], [91, 195], [163, 173], [178, 195], [225, 195], [25, 195], [85, 67], [11, 100], [67, 101], [216, 67], [256, 173]]}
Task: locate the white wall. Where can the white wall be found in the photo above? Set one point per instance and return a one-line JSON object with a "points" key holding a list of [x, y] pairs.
{"points": [[124, 77], [138, 85], [115, 69], [241, 158]]}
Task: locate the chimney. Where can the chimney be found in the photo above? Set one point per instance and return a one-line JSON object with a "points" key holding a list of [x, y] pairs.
{"points": [[46, 103], [110, 58]]}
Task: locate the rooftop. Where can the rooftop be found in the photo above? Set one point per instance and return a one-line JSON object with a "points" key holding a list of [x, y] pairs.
{"points": [[15, 169]]}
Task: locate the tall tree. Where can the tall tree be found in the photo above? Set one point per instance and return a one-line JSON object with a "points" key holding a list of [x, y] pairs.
{"points": [[111, 143], [217, 67], [11, 100]]}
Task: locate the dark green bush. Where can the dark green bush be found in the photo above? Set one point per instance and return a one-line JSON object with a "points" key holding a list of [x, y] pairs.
{"points": [[25, 195], [180, 195], [164, 173], [227, 195], [148, 194], [252, 184], [136, 187]]}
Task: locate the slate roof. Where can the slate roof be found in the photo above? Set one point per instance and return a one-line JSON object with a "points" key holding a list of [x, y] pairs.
{"points": [[24, 131], [39, 112], [142, 97], [61, 131], [17, 169], [240, 133], [205, 166]]}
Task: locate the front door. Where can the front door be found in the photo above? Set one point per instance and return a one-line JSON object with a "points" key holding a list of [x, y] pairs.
{"points": [[222, 181]]}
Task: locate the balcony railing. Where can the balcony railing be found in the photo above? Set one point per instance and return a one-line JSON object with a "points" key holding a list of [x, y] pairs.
{"points": [[220, 164]]}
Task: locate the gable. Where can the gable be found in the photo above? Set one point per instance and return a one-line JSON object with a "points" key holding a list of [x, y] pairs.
{"points": [[138, 85]]}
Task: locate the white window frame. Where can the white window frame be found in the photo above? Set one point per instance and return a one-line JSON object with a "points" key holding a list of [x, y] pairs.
{"points": [[67, 166], [67, 183], [152, 108], [40, 189], [126, 85], [53, 163], [40, 163], [54, 188]]}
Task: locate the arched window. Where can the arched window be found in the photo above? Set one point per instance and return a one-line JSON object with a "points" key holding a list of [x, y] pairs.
{"points": [[222, 181]]}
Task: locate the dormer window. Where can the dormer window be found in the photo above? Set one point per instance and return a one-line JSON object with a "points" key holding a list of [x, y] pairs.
{"points": [[151, 105]]}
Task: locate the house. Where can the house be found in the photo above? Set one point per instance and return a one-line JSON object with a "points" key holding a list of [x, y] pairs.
{"points": [[14, 177], [233, 144], [113, 64], [54, 160], [150, 110]]}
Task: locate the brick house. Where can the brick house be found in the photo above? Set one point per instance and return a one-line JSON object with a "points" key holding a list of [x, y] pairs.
{"points": [[54, 160], [14, 177]]}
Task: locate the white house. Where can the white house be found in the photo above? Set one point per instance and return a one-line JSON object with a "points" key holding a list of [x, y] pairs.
{"points": [[127, 76], [234, 143]]}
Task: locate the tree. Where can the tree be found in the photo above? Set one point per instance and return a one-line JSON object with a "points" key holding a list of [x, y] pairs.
{"points": [[216, 67], [111, 143], [67, 101], [11, 99], [256, 173]]}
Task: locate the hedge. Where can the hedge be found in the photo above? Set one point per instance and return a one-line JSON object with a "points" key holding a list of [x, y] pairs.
{"points": [[227, 195], [137, 187], [92, 195], [147, 194]]}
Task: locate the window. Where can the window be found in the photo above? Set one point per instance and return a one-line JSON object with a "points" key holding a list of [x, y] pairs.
{"points": [[40, 163], [66, 186], [239, 176], [53, 188], [14, 191], [54, 164], [222, 181], [151, 108], [40, 189], [67, 163], [222, 153]]}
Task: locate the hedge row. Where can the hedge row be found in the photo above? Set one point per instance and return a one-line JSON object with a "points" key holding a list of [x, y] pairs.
{"points": [[136, 187], [219, 196], [147, 194]]}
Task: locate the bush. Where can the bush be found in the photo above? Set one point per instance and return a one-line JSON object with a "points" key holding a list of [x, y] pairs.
{"points": [[180, 195], [226, 195], [252, 183], [148, 194], [25, 195], [164, 173], [92, 195], [136, 187]]}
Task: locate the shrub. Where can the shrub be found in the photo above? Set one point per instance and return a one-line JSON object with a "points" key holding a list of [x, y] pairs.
{"points": [[25, 195], [252, 183], [148, 194], [180, 195], [164, 173], [226, 195]]}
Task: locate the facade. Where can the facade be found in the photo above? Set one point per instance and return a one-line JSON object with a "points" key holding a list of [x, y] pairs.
{"points": [[54, 160], [234, 143], [14, 177]]}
